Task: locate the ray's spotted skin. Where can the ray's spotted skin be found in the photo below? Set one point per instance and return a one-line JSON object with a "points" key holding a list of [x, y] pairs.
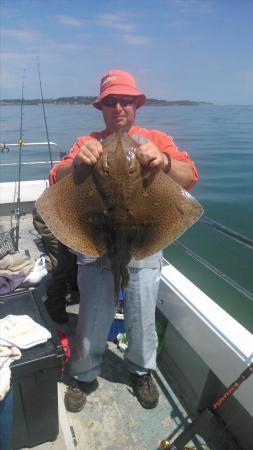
{"points": [[118, 207]]}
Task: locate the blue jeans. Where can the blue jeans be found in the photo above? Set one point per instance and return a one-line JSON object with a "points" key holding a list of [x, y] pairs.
{"points": [[97, 311], [6, 406]]}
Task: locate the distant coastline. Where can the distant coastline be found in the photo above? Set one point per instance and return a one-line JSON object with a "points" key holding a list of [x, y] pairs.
{"points": [[79, 100]]}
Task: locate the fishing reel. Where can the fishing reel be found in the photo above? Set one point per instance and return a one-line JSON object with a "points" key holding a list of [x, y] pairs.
{"points": [[18, 213], [4, 148]]}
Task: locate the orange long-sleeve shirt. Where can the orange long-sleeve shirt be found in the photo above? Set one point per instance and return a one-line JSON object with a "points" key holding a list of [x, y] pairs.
{"points": [[163, 142]]}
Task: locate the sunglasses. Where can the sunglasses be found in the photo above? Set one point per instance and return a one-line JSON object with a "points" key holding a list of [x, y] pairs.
{"points": [[125, 100]]}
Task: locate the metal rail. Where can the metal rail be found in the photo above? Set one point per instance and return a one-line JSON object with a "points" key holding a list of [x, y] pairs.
{"points": [[4, 146], [230, 234], [29, 163], [216, 271], [247, 242]]}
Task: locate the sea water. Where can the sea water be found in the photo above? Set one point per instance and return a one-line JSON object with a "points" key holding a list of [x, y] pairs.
{"points": [[219, 140]]}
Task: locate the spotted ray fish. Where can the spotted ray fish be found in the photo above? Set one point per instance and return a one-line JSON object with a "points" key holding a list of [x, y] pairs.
{"points": [[118, 207]]}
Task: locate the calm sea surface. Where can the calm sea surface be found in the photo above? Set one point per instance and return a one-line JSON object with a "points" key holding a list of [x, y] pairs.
{"points": [[220, 141]]}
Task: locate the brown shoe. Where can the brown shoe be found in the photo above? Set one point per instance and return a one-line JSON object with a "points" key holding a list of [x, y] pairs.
{"points": [[144, 388], [74, 399], [76, 393]]}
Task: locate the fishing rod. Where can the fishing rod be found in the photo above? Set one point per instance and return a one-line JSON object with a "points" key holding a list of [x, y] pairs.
{"points": [[44, 113], [207, 422], [18, 212]]}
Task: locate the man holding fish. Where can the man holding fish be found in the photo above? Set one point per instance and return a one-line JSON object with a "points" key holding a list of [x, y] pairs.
{"points": [[155, 152]]}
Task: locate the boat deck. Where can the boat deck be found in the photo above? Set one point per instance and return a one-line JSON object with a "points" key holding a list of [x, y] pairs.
{"points": [[112, 418]]}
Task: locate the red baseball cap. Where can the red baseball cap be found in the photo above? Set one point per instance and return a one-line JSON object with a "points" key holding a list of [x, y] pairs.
{"points": [[118, 82]]}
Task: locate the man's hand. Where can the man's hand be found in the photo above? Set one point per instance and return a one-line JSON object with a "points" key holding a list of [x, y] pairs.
{"points": [[149, 156], [89, 152]]}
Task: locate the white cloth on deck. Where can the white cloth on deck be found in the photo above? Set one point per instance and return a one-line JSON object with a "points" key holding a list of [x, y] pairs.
{"points": [[22, 331], [39, 271]]}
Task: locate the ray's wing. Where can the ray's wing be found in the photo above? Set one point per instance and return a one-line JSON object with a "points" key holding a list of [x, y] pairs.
{"points": [[73, 211], [159, 212], [163, 211]]}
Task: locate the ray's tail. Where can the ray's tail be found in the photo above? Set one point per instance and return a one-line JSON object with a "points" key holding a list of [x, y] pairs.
{"points": [[119, 254]]}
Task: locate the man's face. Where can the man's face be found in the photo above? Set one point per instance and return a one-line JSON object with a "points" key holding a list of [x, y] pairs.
{"points": [[119, 112]]}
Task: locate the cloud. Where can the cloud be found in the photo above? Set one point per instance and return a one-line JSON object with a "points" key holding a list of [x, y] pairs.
{"points": [[193, 6], [188, 41], [117, 21], [69, 46], [24, 58], [177, 24], [246, 75], [17, 55], [21, 35], [134, 39], [70, 21]]}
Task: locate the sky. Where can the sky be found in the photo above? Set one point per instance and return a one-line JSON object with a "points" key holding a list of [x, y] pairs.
{"points": [[199, 50]]}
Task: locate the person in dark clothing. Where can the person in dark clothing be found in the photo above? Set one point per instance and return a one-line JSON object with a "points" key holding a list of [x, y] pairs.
{"points": [[64, 271], [49, 241]]}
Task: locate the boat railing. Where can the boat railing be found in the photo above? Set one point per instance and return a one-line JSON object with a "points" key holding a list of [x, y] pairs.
{"points": [[218, 227], [5, 148], [230, 234]]}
